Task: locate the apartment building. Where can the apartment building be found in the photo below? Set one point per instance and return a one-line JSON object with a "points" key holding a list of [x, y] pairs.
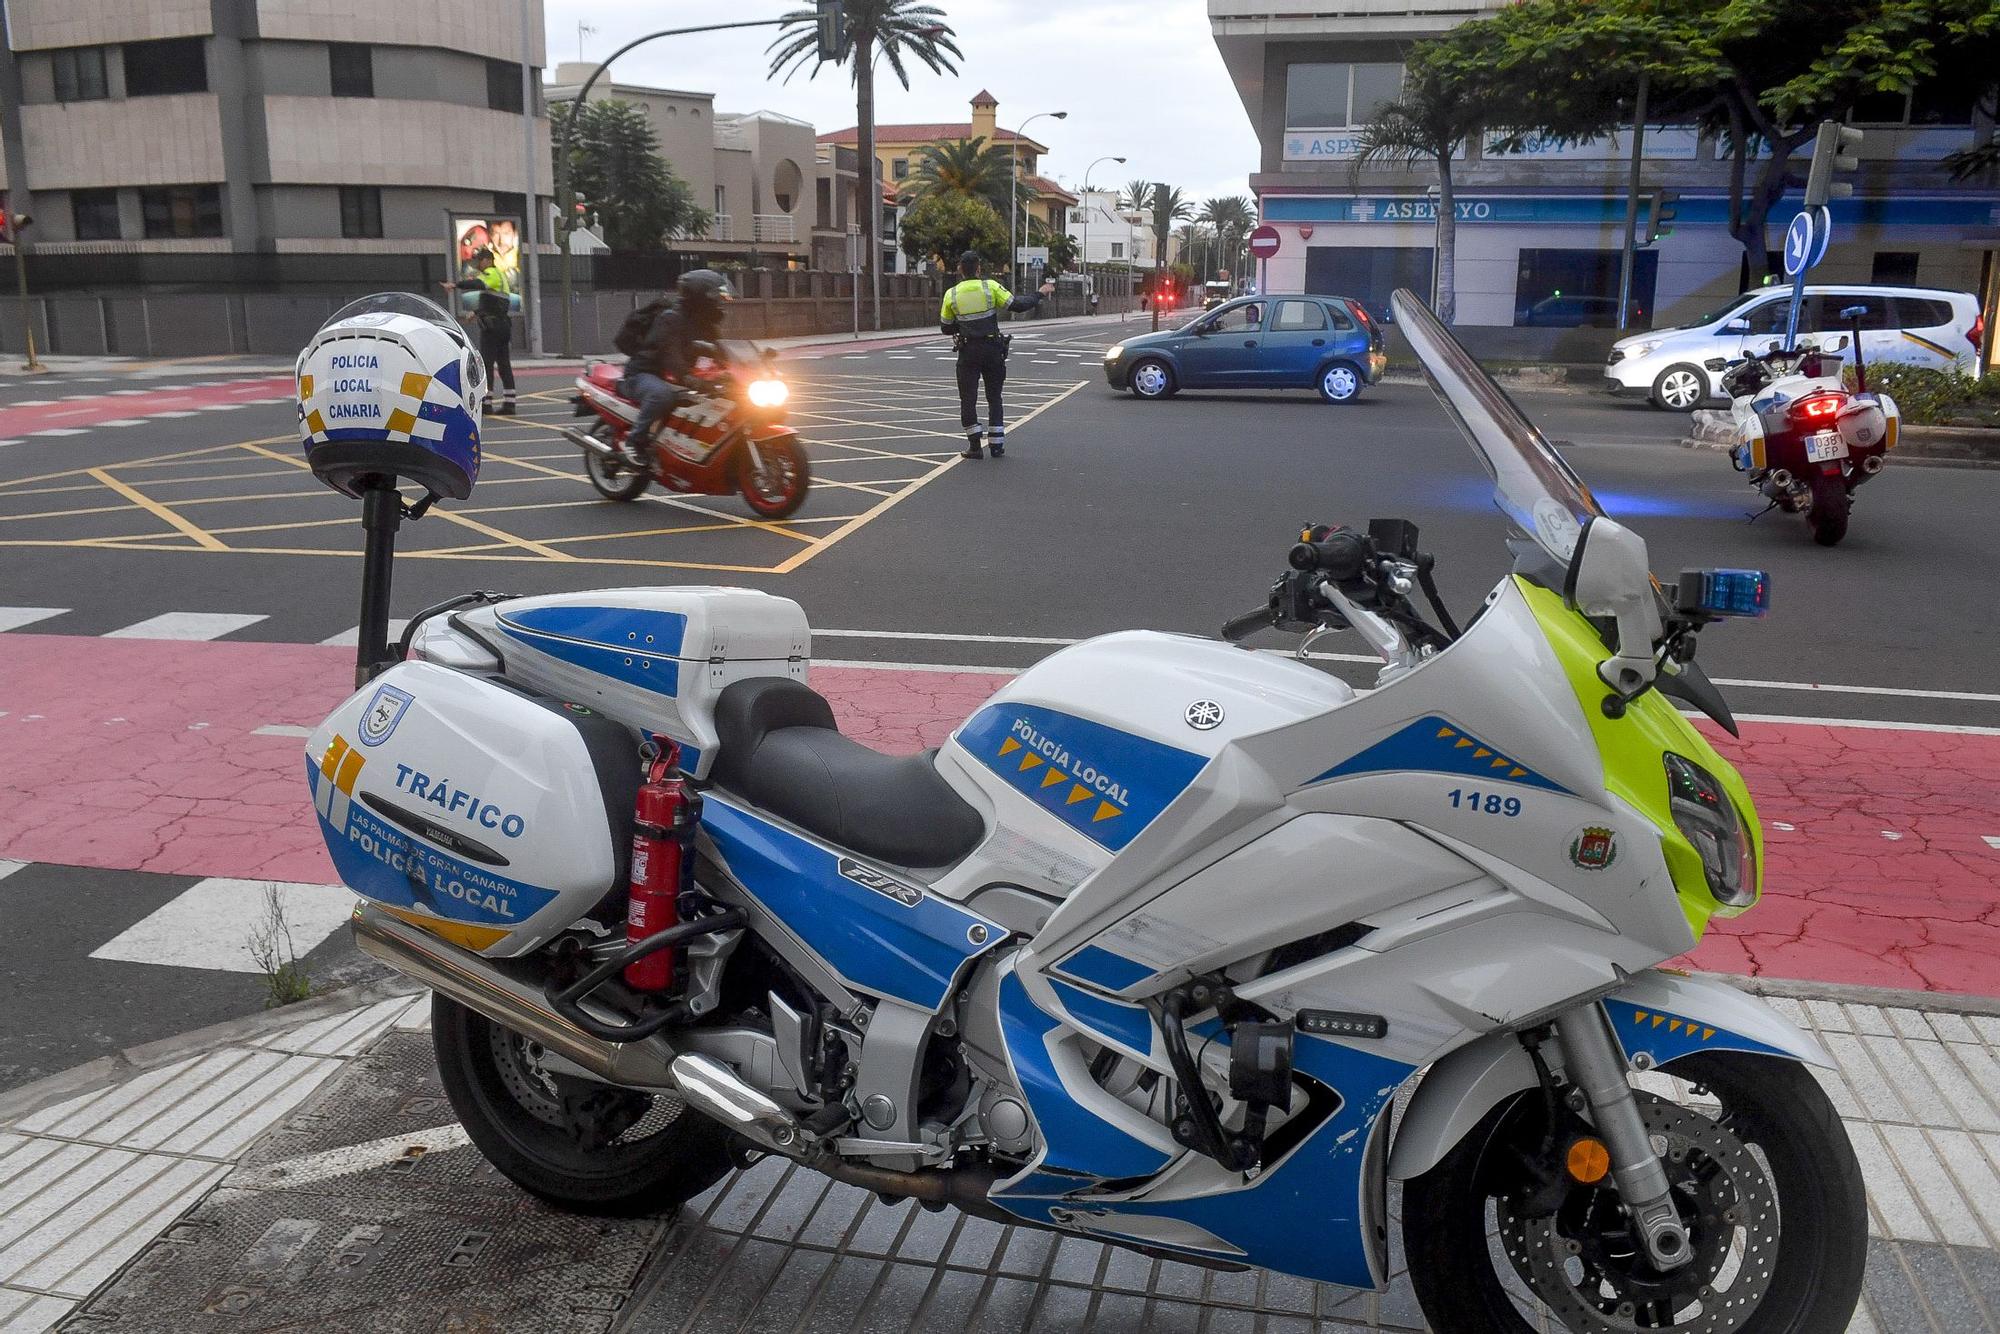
{"points": [[256, 143], [1545, 222]]}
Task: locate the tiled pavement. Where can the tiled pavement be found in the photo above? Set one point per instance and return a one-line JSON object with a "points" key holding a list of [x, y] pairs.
{"points": [[313, 1179]]}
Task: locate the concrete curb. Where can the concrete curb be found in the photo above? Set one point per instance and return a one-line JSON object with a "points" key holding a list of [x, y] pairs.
{"points": [[120, 1066]]}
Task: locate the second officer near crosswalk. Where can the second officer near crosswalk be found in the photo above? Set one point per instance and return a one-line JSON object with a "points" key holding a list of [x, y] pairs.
{"points": [[971, 313]]}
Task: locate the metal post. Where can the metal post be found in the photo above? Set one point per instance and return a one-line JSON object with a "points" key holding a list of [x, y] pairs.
{"points": [[1629, 247], [530, 226], [34, 363], [381, 516]]}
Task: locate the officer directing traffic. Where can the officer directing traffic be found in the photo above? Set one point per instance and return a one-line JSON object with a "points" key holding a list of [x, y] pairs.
{"points": [[971, 313]]}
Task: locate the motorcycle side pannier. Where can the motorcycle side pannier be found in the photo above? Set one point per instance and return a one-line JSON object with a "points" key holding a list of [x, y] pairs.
{"points": [[653, 658], [486, 813]]}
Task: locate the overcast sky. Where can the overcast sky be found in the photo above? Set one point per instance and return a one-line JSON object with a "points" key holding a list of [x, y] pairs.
{"points": [[1140, 78]]}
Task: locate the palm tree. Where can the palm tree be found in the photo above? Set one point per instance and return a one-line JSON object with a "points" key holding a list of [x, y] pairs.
{"points": [[897, 30], [1426, 123], [1232, 217], [1137, 195], [1169, 206], [969, 167]]}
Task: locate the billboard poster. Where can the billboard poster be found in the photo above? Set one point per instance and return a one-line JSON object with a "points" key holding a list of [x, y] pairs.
{"points": [[480, 245]]}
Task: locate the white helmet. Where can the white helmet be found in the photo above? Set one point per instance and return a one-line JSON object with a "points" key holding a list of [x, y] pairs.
{"points": [[390, 386]]}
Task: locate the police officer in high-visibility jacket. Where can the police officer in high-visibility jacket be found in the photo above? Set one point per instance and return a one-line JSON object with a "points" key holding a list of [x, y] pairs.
{"points": [[971, 313]]}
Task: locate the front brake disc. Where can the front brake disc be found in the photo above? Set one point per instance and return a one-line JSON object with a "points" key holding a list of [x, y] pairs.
{"points": [[1586, 1264]]}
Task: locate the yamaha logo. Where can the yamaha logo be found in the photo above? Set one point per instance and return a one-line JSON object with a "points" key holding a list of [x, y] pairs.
{"points": [[1204, 715]]}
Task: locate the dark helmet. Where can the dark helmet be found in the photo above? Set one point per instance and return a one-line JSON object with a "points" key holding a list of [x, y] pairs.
{"points": [[968, 263], [483, 257], [704, 289]]}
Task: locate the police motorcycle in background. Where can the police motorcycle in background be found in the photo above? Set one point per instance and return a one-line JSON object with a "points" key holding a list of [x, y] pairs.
{"points": [[726, 436], [1145, 952], [1806, 441]]}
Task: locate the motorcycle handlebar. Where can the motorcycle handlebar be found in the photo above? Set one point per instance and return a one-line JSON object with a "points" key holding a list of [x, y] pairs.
{"points": [[1342, 555], [1242, 627]]}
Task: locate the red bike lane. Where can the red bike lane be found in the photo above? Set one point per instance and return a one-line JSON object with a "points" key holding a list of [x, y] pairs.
{"points": [[79, 412], [185, 758]]}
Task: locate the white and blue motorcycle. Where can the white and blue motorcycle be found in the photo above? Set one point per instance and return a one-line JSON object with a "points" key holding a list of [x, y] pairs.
{"points": [[1150, 949]]}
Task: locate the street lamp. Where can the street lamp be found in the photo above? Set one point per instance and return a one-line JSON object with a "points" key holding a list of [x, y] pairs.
{"points": [[1088, 287], [1013, 188]]}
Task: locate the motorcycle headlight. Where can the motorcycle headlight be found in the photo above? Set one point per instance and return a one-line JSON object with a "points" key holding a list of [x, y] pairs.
{"points": [[1115, 351], [1704, 814], [769, 393]]}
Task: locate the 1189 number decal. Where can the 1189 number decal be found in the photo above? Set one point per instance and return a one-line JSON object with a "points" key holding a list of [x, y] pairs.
{"points": [[1485, 803]]}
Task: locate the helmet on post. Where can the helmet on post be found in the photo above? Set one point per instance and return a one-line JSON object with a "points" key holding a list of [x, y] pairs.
{"points": [[390, 387]]}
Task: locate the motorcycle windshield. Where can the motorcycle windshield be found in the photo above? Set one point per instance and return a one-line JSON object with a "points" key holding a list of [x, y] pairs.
{"points": [[1533, 485]]}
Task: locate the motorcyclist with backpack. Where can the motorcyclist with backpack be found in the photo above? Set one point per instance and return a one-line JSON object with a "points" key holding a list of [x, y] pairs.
{"points": [[663, 340]]}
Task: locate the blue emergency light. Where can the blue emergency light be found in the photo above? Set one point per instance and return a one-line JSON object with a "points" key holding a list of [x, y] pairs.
{"points": [[1724, 592]]}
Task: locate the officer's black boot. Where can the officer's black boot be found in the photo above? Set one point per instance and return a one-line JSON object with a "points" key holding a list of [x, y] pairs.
{"points": [[973, 436], [996, 440]]}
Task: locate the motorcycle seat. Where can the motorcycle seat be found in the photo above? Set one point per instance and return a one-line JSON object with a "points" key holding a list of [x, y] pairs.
{"points": [[778, 747]]}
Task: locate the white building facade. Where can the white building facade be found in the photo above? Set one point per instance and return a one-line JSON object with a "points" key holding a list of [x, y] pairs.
{"points": [[1540, 230]]}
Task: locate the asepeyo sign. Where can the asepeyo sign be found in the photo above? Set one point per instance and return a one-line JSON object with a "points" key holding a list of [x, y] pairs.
{"points": [[1322, 145]]}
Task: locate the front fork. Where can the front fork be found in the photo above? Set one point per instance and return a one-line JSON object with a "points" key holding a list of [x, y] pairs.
{"points": [[1595, 1063]]}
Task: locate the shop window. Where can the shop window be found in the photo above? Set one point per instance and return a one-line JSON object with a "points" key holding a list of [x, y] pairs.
{"points": [[1881, 108], [79, 74], [1367, 274], [352, 67], [360, 211], [94, 215], [1335, 96], [503, 85], [1894, 268], [161, 69], [181, 211], [1941, 104], [1574, 289]]}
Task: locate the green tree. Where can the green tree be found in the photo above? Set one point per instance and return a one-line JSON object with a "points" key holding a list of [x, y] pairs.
{"points": [[1137, 195], [969, 167], [1443, 103], [901, 32], [1169, 206], [1062, 252], [942, 227], [1231, 218], [1756, 75], [616, 167]]}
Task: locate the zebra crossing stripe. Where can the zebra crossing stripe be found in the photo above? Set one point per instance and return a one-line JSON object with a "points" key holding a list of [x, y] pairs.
{"points": [[13, 618], [187, 625]]}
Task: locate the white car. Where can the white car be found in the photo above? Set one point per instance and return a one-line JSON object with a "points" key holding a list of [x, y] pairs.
{"points": [[1679, 368]]}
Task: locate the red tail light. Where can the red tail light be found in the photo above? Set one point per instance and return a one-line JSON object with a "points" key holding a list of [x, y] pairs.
{"points": [[1976, 335], [1361, 314], [1817, 408]]}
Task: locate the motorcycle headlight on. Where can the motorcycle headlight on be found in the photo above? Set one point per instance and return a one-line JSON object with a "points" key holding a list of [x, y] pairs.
{"points": [[1704, 814], [769, 393]]}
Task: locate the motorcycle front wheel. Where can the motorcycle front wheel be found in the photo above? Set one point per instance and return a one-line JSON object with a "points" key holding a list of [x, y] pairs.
{"points": [[583, 1146], [1761, 1170], [616, 476], [773, 476]]}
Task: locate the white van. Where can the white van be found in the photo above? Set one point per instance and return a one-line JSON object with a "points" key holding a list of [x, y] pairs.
{"points": [[1679, 368]]}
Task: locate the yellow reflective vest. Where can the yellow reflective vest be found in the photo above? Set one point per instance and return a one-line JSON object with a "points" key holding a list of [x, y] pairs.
{"points": [[974, 306]]}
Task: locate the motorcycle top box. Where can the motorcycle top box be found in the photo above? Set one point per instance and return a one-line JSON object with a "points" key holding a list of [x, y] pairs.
{"points": [[653, 658], [488, 815]]}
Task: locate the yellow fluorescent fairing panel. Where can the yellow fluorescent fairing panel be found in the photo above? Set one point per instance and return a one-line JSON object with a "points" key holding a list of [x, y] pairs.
{"points": [[1634, 749]]}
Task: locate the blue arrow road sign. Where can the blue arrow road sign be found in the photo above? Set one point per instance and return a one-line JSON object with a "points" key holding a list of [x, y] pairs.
{"points": [[1802, 240]]}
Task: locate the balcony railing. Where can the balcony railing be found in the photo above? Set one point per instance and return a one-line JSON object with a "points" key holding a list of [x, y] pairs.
{"points": [[720, 228], [777, 228]]}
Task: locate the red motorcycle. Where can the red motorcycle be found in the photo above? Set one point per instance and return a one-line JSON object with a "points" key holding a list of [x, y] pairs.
{"points": [[726, 436]]}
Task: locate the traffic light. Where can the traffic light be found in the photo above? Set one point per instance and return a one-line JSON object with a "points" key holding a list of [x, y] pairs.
{"points": [[1835, 148], [832, 30], [1661, 208]]}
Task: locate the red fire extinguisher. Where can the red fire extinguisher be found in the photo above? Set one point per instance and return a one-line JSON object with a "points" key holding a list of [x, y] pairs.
{"points": [[664, 815]]}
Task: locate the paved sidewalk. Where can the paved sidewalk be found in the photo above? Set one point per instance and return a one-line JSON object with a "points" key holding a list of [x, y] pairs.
{"points": [[314, 1179]]}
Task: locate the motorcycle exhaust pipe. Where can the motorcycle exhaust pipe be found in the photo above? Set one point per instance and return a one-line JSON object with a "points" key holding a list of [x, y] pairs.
{"points": [[1781, 478], [590, 444], [482, 986], [1872, 464]]}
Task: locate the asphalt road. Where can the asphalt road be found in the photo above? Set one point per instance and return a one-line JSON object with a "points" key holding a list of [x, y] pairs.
{"points": [[1108, 513]]}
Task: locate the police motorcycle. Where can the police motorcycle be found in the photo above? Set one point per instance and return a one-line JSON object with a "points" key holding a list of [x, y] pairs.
{"points": [[1806, 440], [1146, 952]]}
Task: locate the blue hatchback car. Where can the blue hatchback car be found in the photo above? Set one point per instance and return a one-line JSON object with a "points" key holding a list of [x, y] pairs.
{"points": [[1329, 343]]}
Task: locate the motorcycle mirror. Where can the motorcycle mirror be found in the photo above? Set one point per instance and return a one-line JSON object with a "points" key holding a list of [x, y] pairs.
{"points": [[1609, 577]]}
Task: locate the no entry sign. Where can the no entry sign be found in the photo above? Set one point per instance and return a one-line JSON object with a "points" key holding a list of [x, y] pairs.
{"points": [[1264, 242]]}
